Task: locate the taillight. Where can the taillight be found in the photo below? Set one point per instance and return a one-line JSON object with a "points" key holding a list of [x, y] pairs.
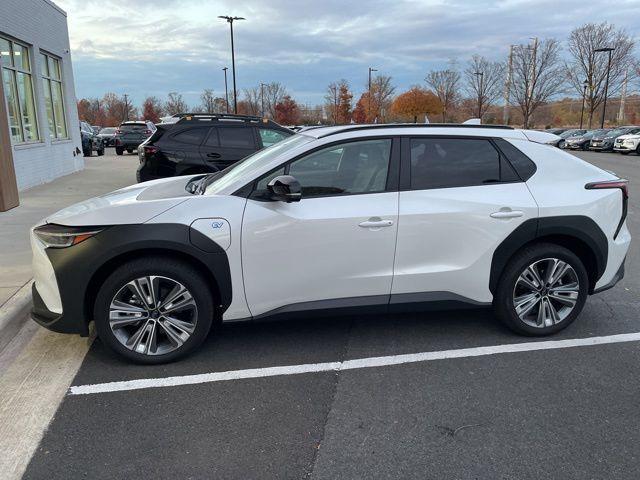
{"points": [[149, 150], [621, 184]]}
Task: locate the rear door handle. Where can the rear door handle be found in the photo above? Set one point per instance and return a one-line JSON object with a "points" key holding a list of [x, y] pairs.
{"points": [[376, 223], [213, 155], [507, 214]]}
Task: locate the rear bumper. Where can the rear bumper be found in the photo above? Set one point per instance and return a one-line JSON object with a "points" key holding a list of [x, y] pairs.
{"points": [[612, 283]]}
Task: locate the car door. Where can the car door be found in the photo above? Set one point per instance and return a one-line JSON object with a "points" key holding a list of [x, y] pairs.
{"points": [[333, 248], [460, 199], [226, 144], [181, 151]]}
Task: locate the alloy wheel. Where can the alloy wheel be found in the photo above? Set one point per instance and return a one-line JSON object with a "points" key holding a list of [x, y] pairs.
{"points": [[546, 292], [153, 315]]}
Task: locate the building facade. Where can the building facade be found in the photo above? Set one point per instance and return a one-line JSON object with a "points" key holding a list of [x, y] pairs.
{"points": [[37, 80]]}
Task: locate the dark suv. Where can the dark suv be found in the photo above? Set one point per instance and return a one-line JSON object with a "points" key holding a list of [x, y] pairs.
{"points": [[90, 141], [202, 143], [131, 134]]}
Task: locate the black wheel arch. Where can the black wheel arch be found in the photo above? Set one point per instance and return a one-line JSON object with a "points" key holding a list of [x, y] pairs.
{"points": [[81, 270], [578, 233]]}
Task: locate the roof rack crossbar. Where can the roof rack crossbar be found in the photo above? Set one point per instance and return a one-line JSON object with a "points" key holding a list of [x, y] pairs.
{"points": [[215, 116], [414, 125]]}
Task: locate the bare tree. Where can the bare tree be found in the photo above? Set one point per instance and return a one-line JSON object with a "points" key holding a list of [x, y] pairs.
{"points": [[175, 104], [537, 75], [381, 96], [445, 86], [208, 101], [590, 66], [485, 80], [332, 99], [274, 92], [252, 99]]}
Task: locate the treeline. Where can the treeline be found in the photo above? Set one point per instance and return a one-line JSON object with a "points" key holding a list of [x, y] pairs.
{"points": [[536, 85]]}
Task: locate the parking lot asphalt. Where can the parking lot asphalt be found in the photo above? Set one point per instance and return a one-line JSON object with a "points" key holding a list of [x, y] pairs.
{"points": [[563, 413]]}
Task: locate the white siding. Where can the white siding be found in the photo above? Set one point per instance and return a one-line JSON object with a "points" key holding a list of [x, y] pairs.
{"points": [[43, 26]]}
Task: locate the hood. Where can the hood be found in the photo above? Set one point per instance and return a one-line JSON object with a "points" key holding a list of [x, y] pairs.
{"points": [[135, 204], [629, 136]]}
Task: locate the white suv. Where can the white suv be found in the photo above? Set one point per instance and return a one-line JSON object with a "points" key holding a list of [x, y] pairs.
{"points": [[356, 218], [628, 143]]}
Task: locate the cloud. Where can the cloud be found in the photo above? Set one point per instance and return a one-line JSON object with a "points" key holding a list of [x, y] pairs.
{"points": [[157, 46]]}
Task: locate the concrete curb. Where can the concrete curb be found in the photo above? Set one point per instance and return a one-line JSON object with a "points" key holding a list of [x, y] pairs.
{"points": [[14, 313]]}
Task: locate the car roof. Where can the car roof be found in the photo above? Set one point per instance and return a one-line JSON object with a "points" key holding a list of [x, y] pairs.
{"points": [[423, 129]]}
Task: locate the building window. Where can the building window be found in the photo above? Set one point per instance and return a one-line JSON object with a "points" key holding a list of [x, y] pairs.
{"points": [[18, 87], [53, 98]]}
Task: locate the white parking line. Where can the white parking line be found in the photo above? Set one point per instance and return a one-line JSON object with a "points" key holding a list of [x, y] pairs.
{"points": [[347, 364]]}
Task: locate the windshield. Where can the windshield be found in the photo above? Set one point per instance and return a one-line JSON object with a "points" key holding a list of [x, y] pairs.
{"points": [[617, 132], [255, 161]]}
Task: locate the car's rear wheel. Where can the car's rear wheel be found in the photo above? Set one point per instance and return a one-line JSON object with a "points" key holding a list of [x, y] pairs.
{"points": [[542, 290], [154, 310], [119, 150], [129, 150]]}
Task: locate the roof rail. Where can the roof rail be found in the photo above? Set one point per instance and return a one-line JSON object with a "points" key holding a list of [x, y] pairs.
{"points": [[413, 125], [189, 117]]}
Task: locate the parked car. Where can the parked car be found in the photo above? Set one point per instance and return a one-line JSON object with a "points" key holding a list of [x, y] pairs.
{"points": [[108, 136], [605, 142], [581, 142], [338, 219], [131, 134], [574, 132], [204, 143], [628, 143], [90, 141], [556, 131]]}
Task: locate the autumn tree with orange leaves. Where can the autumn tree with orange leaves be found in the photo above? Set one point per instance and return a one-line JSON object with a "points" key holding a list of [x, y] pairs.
{"points": [[415, 103], [287, 111]]}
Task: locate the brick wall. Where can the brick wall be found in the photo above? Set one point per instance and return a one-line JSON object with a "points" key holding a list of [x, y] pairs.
{"points": [[43, 26]]}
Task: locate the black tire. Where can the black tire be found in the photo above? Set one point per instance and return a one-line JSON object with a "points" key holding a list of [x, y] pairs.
{"points": [[101, 152], [179, 271], [503, 300], [86, 153], [129, 150], [119, 150]]}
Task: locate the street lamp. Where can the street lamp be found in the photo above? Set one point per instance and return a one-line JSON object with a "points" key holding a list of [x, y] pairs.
{"points": [[226, 90], [606, 83], [480, 94], [230, 20], [584, 96], [369, 91]]}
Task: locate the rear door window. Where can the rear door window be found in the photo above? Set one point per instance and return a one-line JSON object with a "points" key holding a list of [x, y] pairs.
{"points": [[236, 137], [193, 136], [453, 162]]}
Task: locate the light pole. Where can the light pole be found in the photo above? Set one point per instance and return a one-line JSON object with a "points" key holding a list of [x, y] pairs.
{"points": [[125, 114], [230, 20], [584, 96], [369, 91], [606, 83], [262, 85], [226, 90], [480, 94]]}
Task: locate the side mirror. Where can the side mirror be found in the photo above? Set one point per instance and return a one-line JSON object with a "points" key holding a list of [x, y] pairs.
{"points": [[285, 188]]}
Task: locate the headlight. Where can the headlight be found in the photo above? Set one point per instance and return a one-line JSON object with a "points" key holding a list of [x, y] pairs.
{"points": [[59, 236]]}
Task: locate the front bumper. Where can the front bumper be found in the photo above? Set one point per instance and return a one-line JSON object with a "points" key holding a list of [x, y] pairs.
{"points": [[624, 148], [601, 147], [56, 322]]}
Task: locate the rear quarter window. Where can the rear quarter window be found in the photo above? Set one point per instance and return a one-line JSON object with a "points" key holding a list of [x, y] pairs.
{"points": [[522, 164]]}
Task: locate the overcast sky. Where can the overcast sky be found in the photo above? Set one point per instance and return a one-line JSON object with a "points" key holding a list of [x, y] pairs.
{"points": [[152, 47]]}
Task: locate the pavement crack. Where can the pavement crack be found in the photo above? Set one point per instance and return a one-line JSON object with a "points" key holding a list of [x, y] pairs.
{"points": [[312, 464]]}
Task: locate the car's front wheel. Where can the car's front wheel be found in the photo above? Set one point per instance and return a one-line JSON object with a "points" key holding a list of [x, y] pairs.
{"points": [[119, 150], [154, 310], [542, 290]]}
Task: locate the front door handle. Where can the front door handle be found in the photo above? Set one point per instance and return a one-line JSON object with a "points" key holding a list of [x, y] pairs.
{"points": [[213, 155], [507, 214], [376, 223]]}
